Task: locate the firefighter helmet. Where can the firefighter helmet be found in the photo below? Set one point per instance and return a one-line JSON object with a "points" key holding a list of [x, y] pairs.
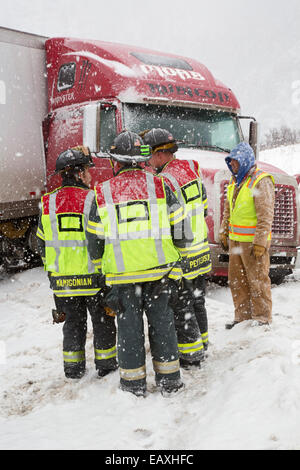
{"points": [[160, 140], [128, 147], [72, 159]]}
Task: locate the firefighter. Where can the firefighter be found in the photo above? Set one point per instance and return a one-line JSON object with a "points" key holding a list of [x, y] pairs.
{"points": [[246, 233], [76, 284], [132, 225], [184, 178]]}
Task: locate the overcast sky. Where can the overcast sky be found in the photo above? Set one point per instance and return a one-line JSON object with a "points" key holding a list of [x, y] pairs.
{"points": [[253, 46]]}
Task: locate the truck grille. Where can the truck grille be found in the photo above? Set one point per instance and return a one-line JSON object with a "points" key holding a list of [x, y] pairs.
{"points": [[284, 224], [285, 214]]}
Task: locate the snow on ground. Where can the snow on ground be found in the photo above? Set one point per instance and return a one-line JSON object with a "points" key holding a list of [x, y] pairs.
{"points": [[287, 158], [246, 396]]}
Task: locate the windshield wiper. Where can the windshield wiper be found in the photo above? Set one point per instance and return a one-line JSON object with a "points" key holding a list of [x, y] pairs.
{"points": [[203, 146]]}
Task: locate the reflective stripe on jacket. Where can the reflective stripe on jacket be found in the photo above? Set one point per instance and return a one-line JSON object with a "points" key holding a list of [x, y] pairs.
{"points": [[243, 219], [62, 229], [136, 226], [183, 176]]}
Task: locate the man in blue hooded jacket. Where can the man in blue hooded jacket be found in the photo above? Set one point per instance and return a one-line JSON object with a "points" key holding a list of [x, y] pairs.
{"points": [[246, 233]]}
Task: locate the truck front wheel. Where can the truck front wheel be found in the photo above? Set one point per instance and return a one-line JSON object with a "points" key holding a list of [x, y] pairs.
{"points": [[278, 276]]}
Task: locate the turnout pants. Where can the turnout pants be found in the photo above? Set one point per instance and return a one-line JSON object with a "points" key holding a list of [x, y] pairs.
{"points": [[75, 329], [191, 320], [131, 301], [249, 283], [199, 291]]}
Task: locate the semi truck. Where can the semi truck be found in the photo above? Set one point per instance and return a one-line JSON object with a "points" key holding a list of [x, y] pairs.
{"points": [[57, 93]]}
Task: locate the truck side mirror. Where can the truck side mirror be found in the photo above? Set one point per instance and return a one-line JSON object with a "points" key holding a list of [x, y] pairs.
{"points": [[91, 127], [253, 134], [254, 137]]}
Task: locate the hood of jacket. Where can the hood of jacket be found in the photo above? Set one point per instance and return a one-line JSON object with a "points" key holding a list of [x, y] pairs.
{"points": [[244, 155]]}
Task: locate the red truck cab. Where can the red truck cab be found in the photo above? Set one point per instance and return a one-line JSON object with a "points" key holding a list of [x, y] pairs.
{"points": [[133, 88]]}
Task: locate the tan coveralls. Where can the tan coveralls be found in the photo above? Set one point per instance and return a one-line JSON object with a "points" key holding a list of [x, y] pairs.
{"points": [[249, 277]]}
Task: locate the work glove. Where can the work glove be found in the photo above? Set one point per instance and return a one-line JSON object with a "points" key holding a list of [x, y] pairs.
{"points": [[112, 301], [110, 312], [224, 241], [258, 251], [58, 317]]}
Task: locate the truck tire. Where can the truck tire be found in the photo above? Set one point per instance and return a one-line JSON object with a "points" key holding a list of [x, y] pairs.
{"points": [[278, 277]]}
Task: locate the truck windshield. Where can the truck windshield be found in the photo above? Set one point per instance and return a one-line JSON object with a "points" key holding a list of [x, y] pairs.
{"points": [[211, 129]]}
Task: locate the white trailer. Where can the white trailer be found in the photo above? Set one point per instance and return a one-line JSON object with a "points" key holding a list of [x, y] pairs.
{"points": [[23, 106]]}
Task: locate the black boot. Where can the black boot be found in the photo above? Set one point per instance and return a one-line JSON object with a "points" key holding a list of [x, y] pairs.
{"points": [[231, 325], [188, 365], [74, 372], [137, 387], [170, 388], [103, 372]]}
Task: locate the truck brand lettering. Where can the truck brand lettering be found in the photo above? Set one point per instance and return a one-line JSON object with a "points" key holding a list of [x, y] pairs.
{"points": [[169, 89], [184, 91], [63, 99], [2, 92], [171, 72], [210, 94]]}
